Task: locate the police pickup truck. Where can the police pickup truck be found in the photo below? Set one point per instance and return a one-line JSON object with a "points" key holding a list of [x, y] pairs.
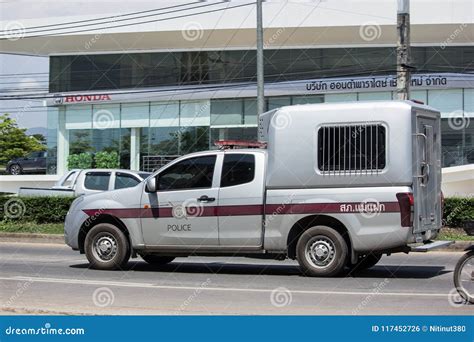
{"points": [[338, 185]]}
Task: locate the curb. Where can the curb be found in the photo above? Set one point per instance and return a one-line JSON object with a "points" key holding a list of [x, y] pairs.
{"points": [[32, 238], [59, 239]]}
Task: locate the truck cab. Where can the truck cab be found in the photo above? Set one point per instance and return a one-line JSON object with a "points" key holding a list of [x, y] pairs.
{"points": [[210, 200]]}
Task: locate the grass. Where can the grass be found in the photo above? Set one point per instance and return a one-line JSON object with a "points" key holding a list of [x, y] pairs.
{"points": [[454, 234], [31, 227]]}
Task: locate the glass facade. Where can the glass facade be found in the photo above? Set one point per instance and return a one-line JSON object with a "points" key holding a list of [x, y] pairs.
{"points": [[139, 70], [173, 128], [141, 131]]}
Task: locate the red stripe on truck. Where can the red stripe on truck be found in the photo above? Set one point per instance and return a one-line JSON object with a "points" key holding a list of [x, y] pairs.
{"points": [[252, 209]]}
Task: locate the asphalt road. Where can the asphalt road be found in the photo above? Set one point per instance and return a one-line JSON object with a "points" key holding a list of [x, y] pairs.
{"points": [[52, 279]]}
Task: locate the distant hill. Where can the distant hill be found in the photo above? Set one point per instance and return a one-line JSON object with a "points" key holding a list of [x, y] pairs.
{"points": [[37, 130]]}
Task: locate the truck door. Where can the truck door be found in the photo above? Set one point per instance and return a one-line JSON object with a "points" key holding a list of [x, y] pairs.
{"points": [[427, 171], [183, 210], [240, 209]]}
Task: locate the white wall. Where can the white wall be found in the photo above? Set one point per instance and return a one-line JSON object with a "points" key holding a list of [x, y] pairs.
{"points": [[458, 180]]}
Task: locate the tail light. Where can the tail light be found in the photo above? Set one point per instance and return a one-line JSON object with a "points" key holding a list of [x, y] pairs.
{"points": [[406, 202]]}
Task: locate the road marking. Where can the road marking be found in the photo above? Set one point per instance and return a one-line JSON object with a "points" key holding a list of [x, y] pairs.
{"points": [[203, 288]]}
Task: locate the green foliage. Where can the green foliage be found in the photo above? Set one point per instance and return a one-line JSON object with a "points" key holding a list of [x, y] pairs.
{"points": [[31, 227], [14, 142], [458, 210], [44, 209], [107, 160], [79, 161], [80, 141]]}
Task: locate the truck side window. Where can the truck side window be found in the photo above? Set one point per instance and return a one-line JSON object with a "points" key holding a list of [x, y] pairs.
{"points": [[237, 169], [124, 180], [192, 173], [351, 148], [97, 181]]}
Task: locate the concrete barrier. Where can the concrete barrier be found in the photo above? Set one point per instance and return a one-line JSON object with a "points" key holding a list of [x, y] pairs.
{"points": [[458, 180], [10, 183]]}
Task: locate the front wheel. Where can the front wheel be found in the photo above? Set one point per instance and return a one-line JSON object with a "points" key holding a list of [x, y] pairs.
{"points": [[107, 247], [464, 276], [321, 252]]}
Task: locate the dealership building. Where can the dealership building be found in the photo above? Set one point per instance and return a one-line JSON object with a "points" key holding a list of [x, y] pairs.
{"points": [[159, 89]]}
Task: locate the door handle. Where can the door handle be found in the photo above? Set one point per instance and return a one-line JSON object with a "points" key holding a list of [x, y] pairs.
{"points": [[206, 199]]}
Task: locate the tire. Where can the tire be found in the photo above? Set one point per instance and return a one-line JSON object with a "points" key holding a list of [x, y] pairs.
{"points": [[107, 247], [465, 259], [365, 262], [157, 259], [321, 252], [15, 169]]}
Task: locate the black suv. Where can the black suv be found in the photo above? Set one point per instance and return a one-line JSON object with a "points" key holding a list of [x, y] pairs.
{"points": [[35, 162]]}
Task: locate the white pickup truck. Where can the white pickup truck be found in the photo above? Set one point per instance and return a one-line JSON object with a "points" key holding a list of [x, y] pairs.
{"points": [[79, 182], [338, 185]]}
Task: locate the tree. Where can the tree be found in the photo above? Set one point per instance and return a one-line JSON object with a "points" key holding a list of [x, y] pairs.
{"points": [[14, 142], [40, 137]]}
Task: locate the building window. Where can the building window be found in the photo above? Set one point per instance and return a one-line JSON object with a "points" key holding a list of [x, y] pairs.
{"points": [[233, 133], [351, 148], [447, 101], [193, 139], [457, 141], [140, 70], [162, 140], [237, 169], [307, 99], [277, 102], [226, 112]]}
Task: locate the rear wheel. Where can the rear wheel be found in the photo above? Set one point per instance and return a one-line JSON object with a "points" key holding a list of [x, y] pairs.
{"points": [[321, 252], [157, 259], [365, 262], [107, 247], [15, 169]]}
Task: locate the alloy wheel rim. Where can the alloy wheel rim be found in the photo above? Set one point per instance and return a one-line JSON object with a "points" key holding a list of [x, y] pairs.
{"points": [[14, 169]]}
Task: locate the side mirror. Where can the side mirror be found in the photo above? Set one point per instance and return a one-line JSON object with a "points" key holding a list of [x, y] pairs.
{"points": [[151, 184]]}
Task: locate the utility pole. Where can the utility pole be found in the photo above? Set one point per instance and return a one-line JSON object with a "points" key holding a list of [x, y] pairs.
{"points": [[403, 50], [260, 80]]}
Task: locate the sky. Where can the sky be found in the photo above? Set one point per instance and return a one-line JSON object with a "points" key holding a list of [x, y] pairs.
{"points": [[25, 112]]}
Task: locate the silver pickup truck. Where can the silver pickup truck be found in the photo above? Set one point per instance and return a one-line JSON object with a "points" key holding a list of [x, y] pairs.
{"points": [[337, 186], [79, 182]]}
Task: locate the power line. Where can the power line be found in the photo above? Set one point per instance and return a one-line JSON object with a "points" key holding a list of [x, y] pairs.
{"points": [[113, 20], [108, 17], [140, 23]]}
